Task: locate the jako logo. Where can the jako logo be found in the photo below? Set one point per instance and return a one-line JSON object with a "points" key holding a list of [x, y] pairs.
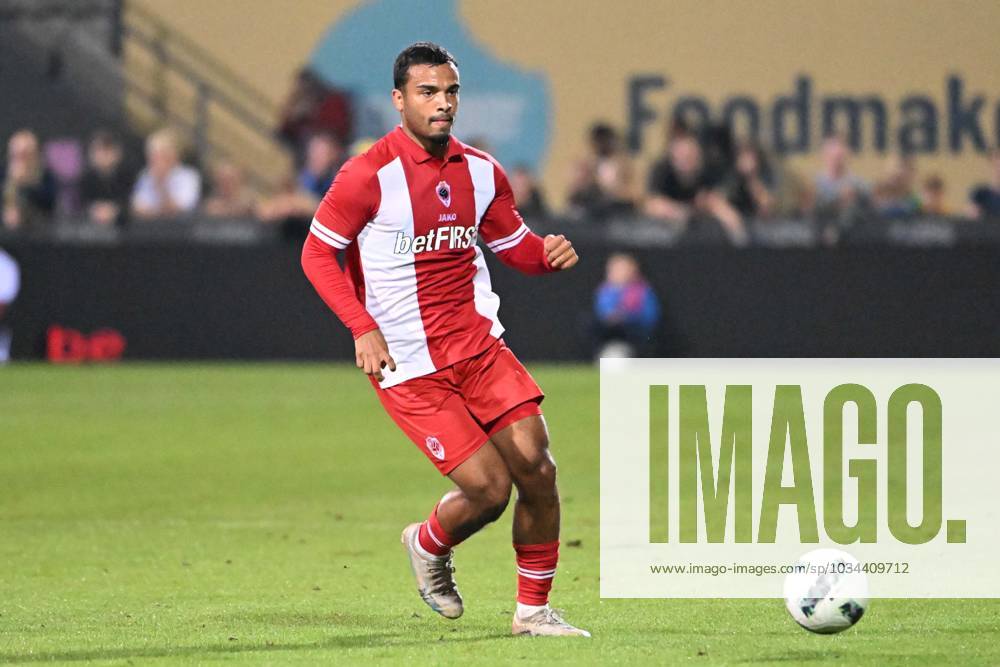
{"points": [[435, 447], [452, 238]]}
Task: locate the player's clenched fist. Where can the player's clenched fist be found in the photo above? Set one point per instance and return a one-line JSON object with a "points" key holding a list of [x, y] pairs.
{"points": [[372, 354], [560, 252]]}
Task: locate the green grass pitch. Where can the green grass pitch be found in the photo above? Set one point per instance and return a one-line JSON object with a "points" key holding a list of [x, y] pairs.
{"points": [[195, 514]]}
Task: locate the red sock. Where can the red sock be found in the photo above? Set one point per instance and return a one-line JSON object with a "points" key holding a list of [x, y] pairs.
{"points": [[432, 537], [536, 567]]}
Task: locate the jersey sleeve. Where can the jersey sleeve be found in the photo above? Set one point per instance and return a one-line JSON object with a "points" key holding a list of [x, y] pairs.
{"points": [[321, 268], [504, 232], [348, 205]]}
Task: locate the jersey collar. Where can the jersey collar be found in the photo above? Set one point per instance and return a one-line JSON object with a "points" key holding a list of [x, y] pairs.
{"points": [[417, 152]]}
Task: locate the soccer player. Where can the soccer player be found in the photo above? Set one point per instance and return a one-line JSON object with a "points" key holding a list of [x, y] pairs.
{"points": [[416, 295]]}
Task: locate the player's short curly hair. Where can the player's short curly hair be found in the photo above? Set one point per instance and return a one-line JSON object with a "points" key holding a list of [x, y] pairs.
{"points": [[419, 53]]}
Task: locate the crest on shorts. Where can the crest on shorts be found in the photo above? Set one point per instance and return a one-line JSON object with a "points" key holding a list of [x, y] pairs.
{"points": [[435, 447], [444, 193]]}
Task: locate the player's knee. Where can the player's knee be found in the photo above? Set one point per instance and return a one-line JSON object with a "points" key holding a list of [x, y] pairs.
{"points": [[545, 472], [494, 499], [538, 475], [543, 481]]}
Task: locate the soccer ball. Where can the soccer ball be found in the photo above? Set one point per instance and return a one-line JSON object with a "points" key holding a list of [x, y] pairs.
{"points": [[827, 592]]}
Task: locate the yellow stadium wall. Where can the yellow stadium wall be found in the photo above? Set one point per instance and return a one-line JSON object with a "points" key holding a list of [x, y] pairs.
{"points": [[712, 49]]}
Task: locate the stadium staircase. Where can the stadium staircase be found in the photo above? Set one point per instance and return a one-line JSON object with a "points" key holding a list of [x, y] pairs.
{"points": [[68, 66]]}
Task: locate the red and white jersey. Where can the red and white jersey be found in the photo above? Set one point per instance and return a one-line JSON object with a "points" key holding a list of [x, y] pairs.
{"points": [[409, 223]]}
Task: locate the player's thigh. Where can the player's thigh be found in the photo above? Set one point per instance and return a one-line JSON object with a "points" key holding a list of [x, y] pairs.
{"points": [[496, 383], [523, 445], [436, 421]]}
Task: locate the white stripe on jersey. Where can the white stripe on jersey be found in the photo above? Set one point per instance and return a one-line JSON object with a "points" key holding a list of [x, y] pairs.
{"points": [[508, 241], [486, 301], [334, 235], [328, 236], [517, 238], [483, 183], [391, 279]]}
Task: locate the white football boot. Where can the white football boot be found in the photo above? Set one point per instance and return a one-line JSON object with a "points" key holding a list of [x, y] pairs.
{"points": [[435, 582], [545, 623]]}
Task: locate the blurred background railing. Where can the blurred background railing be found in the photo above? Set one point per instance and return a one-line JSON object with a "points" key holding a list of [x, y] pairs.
{"points": [[171, 81], [142, 75]]}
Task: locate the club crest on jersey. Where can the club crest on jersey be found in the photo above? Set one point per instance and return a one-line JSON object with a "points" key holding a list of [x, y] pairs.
{"points": [[444, 193], [435, 447]]}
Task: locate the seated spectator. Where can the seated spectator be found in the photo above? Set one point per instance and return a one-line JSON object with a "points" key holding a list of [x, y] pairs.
{"points": [[10, 284], [836, 189], [527, 193], [65, 159], [894, 196], [984, 200], [718, 150], [230, 198], [602, 183], [932, 200], [165, 188], [325, 155], [752, 188], [792, 191], [296, 202], [626, 310], [314, 107], [291, 205], [106, 183], [680, 186], [29, 187]]}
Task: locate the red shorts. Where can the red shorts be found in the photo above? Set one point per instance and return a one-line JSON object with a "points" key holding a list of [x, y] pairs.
{"points": [[454, 411]]}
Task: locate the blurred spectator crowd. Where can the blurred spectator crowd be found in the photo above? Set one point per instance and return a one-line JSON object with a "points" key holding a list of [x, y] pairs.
{"points": [[707, 176], [102, 184], [704, 178]]}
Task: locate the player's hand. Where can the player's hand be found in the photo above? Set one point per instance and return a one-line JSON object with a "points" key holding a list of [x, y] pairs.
{"points": [[372, 354], [560, 252]]}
